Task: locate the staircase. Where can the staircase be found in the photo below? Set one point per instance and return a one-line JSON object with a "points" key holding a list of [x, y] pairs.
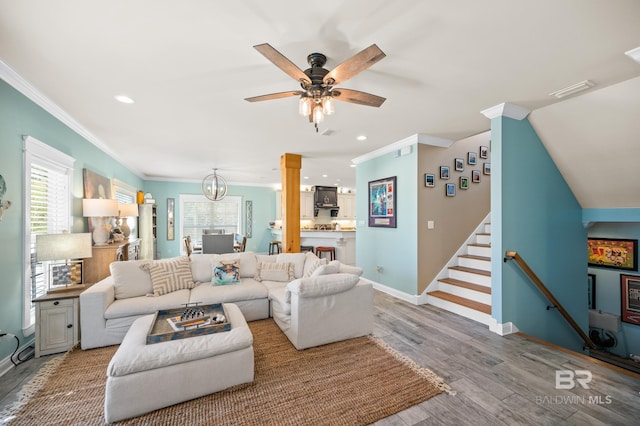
{"points": [[465, 288]]}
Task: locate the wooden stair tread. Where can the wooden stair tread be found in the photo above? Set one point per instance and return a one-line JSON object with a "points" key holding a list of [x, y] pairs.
{"points": [[483, 233], [473, 256], [471, 304], [471, 270], [465, 284], [479, 245]]}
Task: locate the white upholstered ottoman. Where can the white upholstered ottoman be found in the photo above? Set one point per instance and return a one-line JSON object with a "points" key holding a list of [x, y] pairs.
{"points": [[142, 378]]}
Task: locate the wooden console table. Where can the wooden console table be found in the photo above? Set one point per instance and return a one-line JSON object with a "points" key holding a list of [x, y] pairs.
{"points": [[96, 268]]}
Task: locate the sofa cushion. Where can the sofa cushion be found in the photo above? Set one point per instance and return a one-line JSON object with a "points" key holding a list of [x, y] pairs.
{"points": [[133, 306], [202, 265], [332, 267], [279, 300], [311, 265], [283, 272], [296, 258], [321, 285], [129, 280], [266, 258], [226, 272], [349, 269], [170, 275], [246, 289]]}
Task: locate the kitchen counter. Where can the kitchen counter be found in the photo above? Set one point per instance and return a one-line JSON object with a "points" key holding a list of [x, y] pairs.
{"points": [[344, 241]]}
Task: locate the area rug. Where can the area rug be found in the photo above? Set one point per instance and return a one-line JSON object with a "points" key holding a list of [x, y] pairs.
{"points": [[355, 382]]}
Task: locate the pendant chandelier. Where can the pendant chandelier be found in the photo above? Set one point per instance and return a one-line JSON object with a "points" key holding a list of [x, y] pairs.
{"points": [[214, 187]]}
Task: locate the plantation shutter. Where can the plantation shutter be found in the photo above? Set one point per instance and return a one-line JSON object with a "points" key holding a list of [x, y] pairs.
{"points": [[198, 213]]}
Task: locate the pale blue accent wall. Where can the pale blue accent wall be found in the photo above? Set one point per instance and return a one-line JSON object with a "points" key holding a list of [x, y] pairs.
{"points": [[19, 116], [264, 211], [395, 249], [541, 220], [611, 215], [608, 282]]}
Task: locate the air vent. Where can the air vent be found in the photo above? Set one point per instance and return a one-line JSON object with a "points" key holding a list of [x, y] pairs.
{"points": [[574, 88]]}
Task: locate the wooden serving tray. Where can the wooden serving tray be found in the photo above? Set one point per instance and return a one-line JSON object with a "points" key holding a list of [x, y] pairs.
{"points": [[161, 330]]}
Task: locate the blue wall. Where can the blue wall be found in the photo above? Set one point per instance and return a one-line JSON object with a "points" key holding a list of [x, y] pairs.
{"points": [[19, 116], [394, 249], [608, 283], [264, 211], [539, 218]]}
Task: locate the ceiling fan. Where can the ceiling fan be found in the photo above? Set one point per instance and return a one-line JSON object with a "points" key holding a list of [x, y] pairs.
{"points": [[318, 92]]}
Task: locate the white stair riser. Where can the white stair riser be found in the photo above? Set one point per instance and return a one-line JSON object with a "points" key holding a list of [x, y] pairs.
{"points": [[483, 239], [460, 310], [479, 251], [470, 277], [487, 228], [465, 292], [484, 265]]}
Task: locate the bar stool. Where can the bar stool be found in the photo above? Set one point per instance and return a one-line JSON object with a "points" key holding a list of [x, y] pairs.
{"points": [[306, 248], [275, 247], [330, 250]]}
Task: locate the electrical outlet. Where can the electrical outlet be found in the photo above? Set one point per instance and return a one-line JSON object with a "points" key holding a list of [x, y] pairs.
{"points": [[379, 269], [430, 224]]}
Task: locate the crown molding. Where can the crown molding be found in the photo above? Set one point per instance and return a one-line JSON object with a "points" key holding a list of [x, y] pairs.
{"points": [[506, 110], [27, 89], [411, 140]]}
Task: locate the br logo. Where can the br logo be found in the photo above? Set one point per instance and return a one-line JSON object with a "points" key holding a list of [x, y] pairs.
{"points": [[566, 379]]}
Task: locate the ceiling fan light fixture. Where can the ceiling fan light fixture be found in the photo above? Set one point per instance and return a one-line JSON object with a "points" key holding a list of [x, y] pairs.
{"points": [[214, 186], [328, 107], [318, 115], [304, 106]]}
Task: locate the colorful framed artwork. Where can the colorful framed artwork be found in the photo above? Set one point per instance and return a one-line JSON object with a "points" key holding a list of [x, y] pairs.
{"points": [[472, 158], [444, 172], [450, 190], [475, 176], [486, 168], [484, 152], [464, 182], [613, 253], [459, 164], [630, 298], [382, 202], [591, 290], [429, 180]]}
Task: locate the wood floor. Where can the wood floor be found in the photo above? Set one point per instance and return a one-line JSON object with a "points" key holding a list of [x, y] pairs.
{"points": [[498, 380]]}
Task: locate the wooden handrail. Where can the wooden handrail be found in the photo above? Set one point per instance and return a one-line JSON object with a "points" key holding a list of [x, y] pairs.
{"points": [[527, 270]]}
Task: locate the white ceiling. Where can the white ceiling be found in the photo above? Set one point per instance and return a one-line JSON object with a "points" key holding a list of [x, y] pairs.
{"points": [[189, 66]]}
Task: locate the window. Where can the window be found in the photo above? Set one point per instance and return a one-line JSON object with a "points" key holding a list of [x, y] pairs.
{"points": [[198, 213], [48, 176]]}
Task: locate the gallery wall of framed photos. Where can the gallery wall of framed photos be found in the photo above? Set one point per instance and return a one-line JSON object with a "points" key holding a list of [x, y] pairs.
{"points": [[462, 173]]}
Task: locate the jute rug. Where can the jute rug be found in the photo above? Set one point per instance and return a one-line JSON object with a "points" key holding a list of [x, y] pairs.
{"points": [[355, 382]]}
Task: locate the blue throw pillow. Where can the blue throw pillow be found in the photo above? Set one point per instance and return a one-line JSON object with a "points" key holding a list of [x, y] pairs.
{"points": [[226, 272]]}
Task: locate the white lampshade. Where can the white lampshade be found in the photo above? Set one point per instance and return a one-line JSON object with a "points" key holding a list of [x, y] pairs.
{"points": [[99, 207], [128, 210], [63, 246]]}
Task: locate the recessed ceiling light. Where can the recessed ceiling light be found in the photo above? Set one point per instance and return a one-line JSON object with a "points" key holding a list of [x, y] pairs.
{"points": [[325, 175], [306, 177], [124, 99], [361, 138], [352, 165]]}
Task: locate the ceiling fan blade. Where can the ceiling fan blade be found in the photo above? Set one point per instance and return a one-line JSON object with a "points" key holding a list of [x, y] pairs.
{"points": [[357, 97], [274, 96], [279, 60], [354, 65]]}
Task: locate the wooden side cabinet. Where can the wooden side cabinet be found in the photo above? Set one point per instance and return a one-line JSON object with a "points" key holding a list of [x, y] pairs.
{"points": [[57, 322]]}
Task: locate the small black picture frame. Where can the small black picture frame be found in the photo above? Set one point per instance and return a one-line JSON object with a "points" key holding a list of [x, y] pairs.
{"points": [[450, 190], [429, 180], [464, 182], [459, 164], [591, 290], [472, 158], [484, 152], [475, 176], [444, 172], [486, 168]]}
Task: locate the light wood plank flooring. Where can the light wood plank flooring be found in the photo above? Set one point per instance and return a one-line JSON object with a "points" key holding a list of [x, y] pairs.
{"points": [[498, 380]]}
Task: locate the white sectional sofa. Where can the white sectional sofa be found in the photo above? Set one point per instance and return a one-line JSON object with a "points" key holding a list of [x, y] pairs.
{"points": [[312, 302]]}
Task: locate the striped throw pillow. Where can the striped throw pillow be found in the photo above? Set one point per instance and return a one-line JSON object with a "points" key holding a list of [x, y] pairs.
{"points": [[281, 272], [170, 275]]}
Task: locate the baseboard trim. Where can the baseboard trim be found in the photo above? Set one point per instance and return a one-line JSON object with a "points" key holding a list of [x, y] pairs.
{"points": [[502, 329], [416, 300], [6, 365]]}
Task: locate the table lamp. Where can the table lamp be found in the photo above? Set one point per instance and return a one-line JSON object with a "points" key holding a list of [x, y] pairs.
{"points": [[126, 210], [99, 208], [65, 275]]}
